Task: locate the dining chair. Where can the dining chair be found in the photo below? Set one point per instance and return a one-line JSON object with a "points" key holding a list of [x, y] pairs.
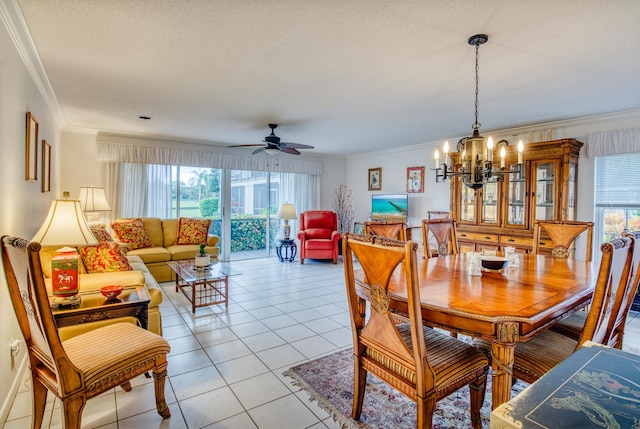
{"points": [[432, 214], [574, 325], [562, 233], [422, 363], [394, 230], [84, 366], [534, 358], [444, 232]]}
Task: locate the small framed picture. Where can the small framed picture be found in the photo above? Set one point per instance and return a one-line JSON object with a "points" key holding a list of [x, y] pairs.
{"points": [[46, 166], [375, 179], [31, 145], [415, 180]]}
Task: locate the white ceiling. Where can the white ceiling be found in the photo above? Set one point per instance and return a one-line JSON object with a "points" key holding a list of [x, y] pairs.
{"points": [[343, 76]]}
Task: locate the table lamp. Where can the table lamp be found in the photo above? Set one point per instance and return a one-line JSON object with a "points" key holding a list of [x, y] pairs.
{"points": [[286, 212], [65, 226], [92, 201]]}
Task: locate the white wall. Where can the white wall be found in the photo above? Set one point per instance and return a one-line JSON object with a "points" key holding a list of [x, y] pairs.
{"points": [[23, 206]]}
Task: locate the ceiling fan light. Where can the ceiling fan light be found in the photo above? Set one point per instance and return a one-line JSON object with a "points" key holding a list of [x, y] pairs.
{"points": [[271, 151]]}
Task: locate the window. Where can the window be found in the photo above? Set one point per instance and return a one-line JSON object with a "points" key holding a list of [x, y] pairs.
{"points": [[617, 197]]}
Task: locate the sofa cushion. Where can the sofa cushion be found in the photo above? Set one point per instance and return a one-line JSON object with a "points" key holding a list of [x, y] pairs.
{"points": [[154, 228], [101, 232], [188, 251], [170, 231], [151, 254], [105, 257], [132, 232], [315, 233], [193, 231], [47, 253]]}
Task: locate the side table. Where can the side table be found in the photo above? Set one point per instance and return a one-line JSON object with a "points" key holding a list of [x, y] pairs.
{"points": [[290, 249]]}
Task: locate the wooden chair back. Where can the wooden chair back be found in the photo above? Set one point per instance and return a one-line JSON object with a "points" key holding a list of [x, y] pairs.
{"points": [[393, 230], [444, 232], [28, 293], [379, 257], [563, 234], [625, 295], [432, 214], [613, 277]]}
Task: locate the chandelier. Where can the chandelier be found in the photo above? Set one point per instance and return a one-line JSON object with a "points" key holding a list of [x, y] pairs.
{"points": [[477, 153]]}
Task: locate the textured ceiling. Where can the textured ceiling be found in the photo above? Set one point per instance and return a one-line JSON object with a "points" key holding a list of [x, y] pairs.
{"points": [[343, 76]]}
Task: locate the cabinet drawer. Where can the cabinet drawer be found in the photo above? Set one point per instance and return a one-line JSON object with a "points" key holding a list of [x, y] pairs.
{"points": [[488, 238], [510, 240]]}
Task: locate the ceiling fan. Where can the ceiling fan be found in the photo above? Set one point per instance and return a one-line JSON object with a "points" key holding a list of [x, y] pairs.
{"points": [[274, 145]]}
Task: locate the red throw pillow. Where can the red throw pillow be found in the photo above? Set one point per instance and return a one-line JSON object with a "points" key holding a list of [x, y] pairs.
{"points": [[105, 257], [193, 231], [132, 232]]}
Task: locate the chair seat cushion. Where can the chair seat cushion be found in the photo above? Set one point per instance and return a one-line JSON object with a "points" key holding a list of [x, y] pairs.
{"points": [[537, 356], [572, 326], [319, 244], [452, 360], [106, 353]]}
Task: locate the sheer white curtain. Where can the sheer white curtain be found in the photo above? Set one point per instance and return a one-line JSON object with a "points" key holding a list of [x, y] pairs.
{"points": [[158, 198], [303, 190]]}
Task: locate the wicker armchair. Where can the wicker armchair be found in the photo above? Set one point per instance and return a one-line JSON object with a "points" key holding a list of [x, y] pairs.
{"points": [[536, 357], [84, 366], [422, 363]]}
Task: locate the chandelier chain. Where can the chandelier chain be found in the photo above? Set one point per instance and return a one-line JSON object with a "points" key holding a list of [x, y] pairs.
{"points": [[476, 125]]}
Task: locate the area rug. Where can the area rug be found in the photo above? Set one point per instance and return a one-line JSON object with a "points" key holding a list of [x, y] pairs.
{"points": [[329, 381]]}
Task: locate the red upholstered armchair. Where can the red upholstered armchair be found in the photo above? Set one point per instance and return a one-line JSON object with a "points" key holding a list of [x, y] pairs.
{"points": [[318, 235]]}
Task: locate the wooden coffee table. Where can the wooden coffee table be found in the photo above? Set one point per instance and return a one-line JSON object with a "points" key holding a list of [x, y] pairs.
{"points": [[133, 301], [203, 287]]}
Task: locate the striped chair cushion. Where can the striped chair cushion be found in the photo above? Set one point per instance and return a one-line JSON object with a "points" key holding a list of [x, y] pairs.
{"points": [[446, 355], [105, 353]]}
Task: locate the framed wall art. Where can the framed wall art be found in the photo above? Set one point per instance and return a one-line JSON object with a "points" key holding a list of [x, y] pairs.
{"points": [[375, 179], [46, 166], [415, 180], [31, 145]]}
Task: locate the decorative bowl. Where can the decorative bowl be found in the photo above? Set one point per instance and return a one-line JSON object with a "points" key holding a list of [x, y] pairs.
{"points": [[111, 291], [494, 263]]}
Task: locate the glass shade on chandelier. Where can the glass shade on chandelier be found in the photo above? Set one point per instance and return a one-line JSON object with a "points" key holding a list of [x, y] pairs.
{"points": [[286, 212], [477, 164]]}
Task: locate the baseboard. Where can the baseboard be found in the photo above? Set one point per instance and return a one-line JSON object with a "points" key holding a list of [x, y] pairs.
{"points": [[13, 391]]}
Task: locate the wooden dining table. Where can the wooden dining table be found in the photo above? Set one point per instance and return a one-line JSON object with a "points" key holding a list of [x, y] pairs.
{"points": [[504, 307]]}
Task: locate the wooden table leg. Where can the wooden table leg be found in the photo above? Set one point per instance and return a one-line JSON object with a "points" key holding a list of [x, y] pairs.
{"points": [[502, 350]]}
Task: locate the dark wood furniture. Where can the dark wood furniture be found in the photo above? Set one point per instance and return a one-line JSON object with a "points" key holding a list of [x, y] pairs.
{"points": [[501, 307], [422, 363], [502, 213], [389, 229], [203, 287], [594, 387], [286, 250], [133, 301]]}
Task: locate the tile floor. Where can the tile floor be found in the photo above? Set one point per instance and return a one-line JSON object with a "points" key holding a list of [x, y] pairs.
{"points": [[225, 367]]}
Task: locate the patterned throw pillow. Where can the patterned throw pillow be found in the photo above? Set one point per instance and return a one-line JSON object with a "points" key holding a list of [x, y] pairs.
{"points": [[193, 231], [101, 233], [132, 232], [105, 257]]}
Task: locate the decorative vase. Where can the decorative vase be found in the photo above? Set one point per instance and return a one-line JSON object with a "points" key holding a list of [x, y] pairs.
{"points": [[202, 260]]}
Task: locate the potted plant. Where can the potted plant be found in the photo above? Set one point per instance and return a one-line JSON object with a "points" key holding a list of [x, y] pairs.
{"points": [[203, 259]]}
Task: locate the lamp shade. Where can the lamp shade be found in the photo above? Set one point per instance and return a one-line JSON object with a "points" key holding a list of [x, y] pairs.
{"points": [[65, 225], [287, 211], [93, 200]]}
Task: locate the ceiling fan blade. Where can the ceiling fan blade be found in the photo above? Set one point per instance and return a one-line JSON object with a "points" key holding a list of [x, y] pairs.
{"points": [[296, 145], [245, 145], [290, 150], [258, 150]]}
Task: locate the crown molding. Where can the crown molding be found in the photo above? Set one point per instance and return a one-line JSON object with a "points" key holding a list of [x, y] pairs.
{"points": [[16, 26]]}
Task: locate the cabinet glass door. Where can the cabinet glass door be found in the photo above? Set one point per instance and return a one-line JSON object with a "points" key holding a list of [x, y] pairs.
{"points": [[516, 198], [545, 190], [571, 203], [490, 197], [467, 204]]}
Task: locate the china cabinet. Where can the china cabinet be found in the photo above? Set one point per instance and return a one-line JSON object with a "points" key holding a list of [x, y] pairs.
{"points": [[501, 213]]}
